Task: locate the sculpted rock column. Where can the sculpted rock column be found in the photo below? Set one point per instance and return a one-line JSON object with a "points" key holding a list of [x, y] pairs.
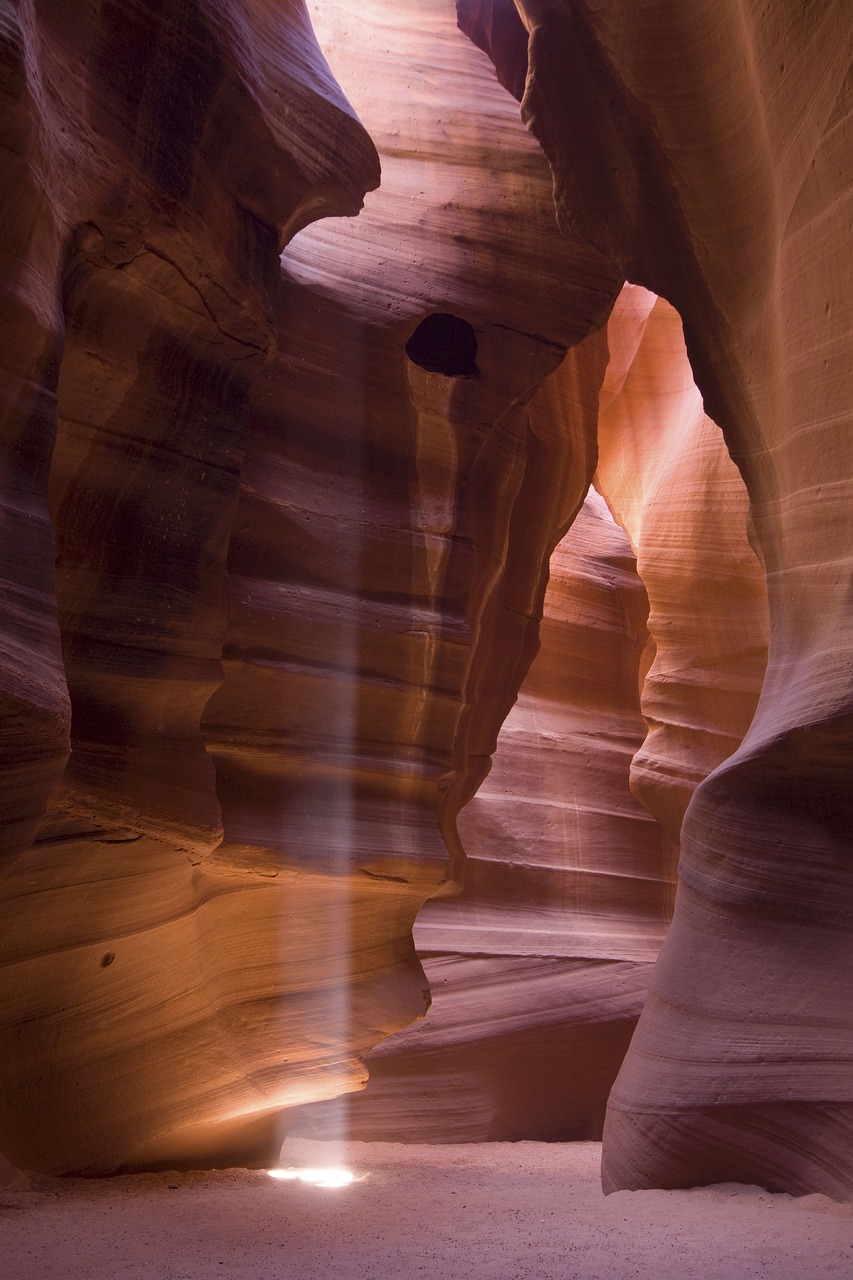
{"points": [[714, 166], [667, 476]]}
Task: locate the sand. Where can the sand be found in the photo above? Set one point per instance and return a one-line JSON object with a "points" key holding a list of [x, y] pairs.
{"points": [[502, 1211]]}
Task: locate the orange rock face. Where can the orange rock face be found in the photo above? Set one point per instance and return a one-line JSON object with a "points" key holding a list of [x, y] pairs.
{"points": [[152, 179], [275, 551], [262, 754], [665, 471], [398, 502], [539, 969]]}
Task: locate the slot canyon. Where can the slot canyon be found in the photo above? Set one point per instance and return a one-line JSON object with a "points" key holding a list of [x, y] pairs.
{"points": [[426, 661]]}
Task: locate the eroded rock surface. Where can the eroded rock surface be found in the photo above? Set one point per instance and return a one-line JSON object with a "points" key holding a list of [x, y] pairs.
{"points": [[153, 177], [666, 474], [399, 501], [248, 821], [561, 860], [539, 968], [727, 190], [276, 542]]}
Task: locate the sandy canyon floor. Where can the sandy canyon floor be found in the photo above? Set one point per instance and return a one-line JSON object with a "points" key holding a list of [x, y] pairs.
{"points": [[505, 1211]]}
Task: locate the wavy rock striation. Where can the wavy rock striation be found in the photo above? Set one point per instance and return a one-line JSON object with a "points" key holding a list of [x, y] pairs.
{"points": [[398, 504], [154, 178], [665, 471], [714, 167], [275, 549], [561, 860], [214, 920], [539, 968]]}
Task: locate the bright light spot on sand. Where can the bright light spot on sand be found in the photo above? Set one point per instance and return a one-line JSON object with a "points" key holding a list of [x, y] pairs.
{"points": [[317, 1177]]}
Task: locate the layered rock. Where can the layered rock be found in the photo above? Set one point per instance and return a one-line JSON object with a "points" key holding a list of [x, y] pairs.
{"points": [[561, 860], [154, 177], [714, 167], [398, 505], [665, 471], [539, 968], [206, 913], [34, 710], [172, 992]]}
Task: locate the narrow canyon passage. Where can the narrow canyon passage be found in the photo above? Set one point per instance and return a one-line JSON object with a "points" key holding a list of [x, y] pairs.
{"points": [[540, 969], [397, 605]]}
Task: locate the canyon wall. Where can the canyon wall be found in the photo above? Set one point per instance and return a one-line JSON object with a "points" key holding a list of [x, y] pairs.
{"points": [[727, 190], [668, 478], [399, 502], [300, 551], [539, 968], [280, 489], [152, 180]]}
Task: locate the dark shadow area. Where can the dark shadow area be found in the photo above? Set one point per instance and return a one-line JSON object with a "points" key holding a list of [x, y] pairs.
{"points": [[444, 343]]}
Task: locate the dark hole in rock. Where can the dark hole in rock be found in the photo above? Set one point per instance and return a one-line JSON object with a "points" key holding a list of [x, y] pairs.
{"points": [[107, 958], [443, 343]]}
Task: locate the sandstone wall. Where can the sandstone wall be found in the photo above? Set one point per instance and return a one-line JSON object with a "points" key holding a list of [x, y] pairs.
{"points": [[539, 968], [152, 178], [390, 548], [726, 189], [561, 860], [274, 555], [666, 474], [297, 570]]}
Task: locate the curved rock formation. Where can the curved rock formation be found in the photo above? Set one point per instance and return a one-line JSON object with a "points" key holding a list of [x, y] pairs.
{"points": [[398, 504], [555, 817], [539, 968], [385, 558], [665, 471], [302, 517], [726, 189], [154, 178]]}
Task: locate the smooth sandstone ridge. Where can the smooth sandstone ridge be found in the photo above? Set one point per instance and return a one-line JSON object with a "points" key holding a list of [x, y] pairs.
{"points": [[280, 492]]}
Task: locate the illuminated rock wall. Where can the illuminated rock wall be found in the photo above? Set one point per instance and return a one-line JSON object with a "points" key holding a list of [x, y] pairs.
{"points": [[665, 472], [398, 505], [275, 548], [151, 178], [297, 569], [540, 969]]}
